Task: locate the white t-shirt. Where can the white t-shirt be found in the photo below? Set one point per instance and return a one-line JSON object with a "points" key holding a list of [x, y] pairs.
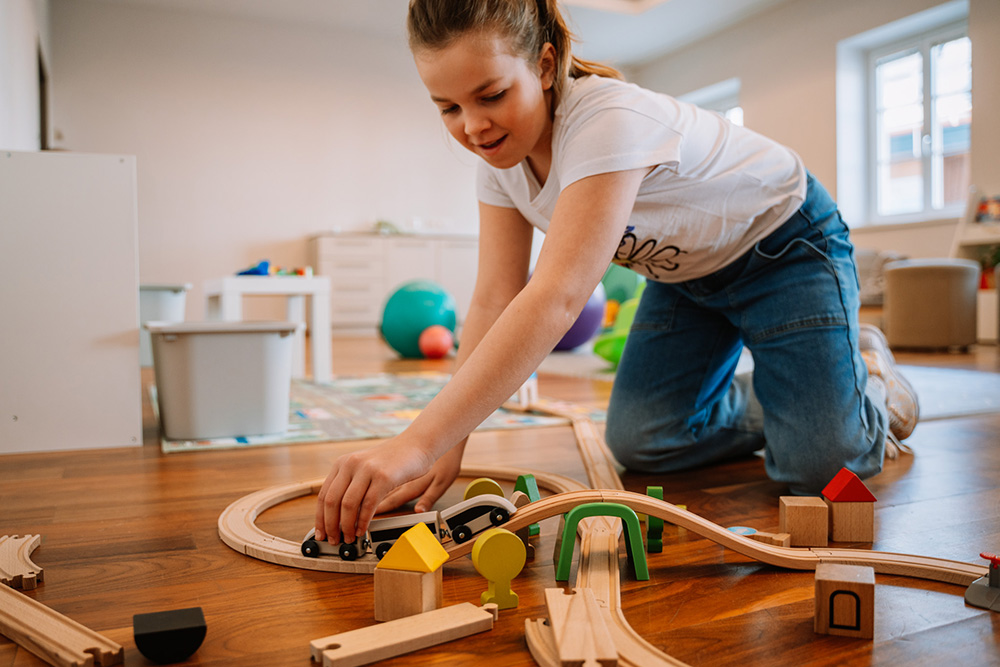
{"points": [[716, 189]]}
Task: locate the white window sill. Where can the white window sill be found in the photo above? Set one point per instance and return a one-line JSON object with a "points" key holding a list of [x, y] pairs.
{"points": [[882, 226]]}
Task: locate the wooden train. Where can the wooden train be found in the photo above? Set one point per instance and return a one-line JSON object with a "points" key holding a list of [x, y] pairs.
{"points": [[459, 522]]}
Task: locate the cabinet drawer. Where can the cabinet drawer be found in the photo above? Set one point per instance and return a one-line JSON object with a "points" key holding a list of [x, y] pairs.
{"points": [[355, 312], [354, 287], [350, 247], [351, 267]]}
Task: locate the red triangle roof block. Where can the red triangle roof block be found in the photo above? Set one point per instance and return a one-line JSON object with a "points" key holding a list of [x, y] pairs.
{"points": [[846, 487]]}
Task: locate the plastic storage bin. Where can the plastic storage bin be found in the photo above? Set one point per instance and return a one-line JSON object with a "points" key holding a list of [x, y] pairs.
{"points": [[158, 303], [222, 379]]}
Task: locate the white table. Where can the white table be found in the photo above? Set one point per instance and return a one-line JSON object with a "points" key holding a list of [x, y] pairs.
{"points": [[224, 301]]}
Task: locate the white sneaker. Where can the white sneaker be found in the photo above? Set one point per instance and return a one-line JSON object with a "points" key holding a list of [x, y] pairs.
{"points": [[901, 401]]}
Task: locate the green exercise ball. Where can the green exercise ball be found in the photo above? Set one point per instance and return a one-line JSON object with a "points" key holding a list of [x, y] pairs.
{"points": [[621, 284], [412, 308]]}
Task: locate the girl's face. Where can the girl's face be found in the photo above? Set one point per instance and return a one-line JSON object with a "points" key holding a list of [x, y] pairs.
{"points": [[494, 102]]}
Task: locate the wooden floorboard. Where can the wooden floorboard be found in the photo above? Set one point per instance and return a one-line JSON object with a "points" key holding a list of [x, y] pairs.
{"points": [[134, 531]]}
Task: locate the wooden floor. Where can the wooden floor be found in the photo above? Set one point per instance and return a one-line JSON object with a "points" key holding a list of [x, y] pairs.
{"points": [[134, 531]]}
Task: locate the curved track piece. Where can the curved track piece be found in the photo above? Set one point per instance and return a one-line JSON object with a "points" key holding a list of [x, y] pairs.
{"points": [[16, 568], [238, 528]]}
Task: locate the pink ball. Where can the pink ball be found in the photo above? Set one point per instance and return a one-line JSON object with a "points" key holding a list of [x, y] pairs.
{"points": [[436, 341]]}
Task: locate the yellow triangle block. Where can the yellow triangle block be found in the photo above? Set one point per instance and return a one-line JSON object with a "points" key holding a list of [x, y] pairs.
{"points": [[416, 550]]}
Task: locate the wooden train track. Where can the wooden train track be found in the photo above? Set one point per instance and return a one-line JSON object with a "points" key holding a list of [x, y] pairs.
{"points": [[54, 638], [16, 568], [598, 569], [793, 558]]}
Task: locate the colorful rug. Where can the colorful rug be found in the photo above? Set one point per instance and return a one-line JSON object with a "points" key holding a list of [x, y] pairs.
{"points": [[366, 407]]}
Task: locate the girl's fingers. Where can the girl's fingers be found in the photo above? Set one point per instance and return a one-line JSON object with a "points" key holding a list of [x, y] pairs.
{"points": [[403, 494], [350, 503], [320, 523], [432, 493]]}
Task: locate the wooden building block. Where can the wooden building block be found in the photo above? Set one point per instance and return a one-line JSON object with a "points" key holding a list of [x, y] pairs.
{"points": [[388, 640], [171, 636], [776, 539], [417, 550], [401, 593], [480, 486], [499, 555], [581, 633], [847, 487], [845, 600], [851, 521], [805, 518]]}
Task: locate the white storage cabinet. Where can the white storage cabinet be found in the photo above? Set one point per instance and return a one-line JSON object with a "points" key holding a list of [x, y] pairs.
{"points": [[364, 269]]}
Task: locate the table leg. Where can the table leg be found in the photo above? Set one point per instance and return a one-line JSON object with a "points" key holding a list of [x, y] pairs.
{"points": [[319, 323], [295, 310]]}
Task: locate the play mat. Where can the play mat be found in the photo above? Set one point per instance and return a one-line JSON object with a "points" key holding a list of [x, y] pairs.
{"points": [[365, 407]]}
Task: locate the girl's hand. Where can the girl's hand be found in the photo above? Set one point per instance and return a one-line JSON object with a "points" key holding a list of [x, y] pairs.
{"points": [[359, 482], [428, 488]]}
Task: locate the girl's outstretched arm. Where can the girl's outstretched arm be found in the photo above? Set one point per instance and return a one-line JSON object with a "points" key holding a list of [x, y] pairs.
{"points": [[586, 227], [504, 257]]}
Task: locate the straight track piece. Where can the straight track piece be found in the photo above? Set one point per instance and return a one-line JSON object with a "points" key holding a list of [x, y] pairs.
{"points": [[54, 638], [403, 635]]}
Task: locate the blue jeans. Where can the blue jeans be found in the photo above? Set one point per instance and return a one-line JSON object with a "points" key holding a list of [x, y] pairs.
{"points": [[792, 300]]}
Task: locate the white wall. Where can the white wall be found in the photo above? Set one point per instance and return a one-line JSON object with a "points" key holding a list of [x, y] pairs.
{"points": [[23, 24], [785, 59], [251, 135]]}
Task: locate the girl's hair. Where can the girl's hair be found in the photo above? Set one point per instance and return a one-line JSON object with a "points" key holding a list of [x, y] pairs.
{"points": [[527, 24]]}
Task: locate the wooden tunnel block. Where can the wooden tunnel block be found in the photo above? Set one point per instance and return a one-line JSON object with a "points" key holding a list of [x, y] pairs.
{"points": [[169, 636], [805, 518], [852, 521], [401, 593], [845, 600]]}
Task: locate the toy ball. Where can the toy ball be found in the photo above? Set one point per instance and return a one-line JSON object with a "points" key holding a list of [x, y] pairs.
{"points": [[587, 324], [621, 284], [610, 345], [410, 310], [435, 342]]}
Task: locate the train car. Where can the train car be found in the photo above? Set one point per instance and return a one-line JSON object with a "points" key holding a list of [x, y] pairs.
{"points": [[313, 548], [475, 515], [461, 522], [383, 533]]}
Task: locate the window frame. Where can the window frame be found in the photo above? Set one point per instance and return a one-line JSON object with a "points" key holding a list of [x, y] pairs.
{"points": [[921, 43]]}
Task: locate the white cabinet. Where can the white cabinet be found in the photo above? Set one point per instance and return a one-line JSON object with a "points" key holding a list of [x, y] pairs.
{"points": [[364, 269]]}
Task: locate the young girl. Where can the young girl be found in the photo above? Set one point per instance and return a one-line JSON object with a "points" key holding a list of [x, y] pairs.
{"points": [[740, 246]]}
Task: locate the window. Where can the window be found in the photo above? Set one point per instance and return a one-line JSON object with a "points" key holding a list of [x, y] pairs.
{"points": [[903, 118], [920, 111]]}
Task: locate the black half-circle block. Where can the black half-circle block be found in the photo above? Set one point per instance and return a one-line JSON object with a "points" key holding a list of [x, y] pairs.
{"points": [[169, 636]]}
